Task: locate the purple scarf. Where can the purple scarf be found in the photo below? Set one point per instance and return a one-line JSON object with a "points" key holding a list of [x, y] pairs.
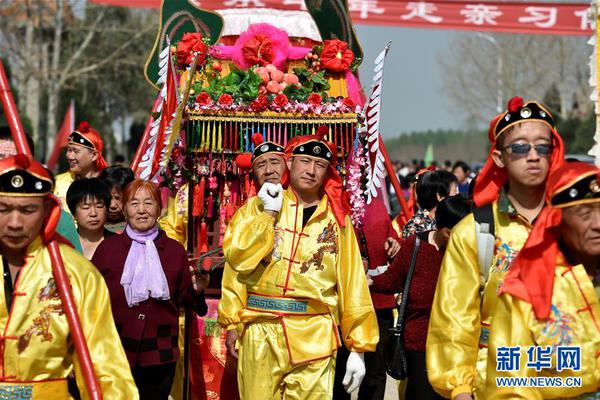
{"points": [[143, 275]]}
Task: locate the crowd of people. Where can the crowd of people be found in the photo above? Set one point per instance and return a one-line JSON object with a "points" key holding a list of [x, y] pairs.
{"points": [[498, 268]]}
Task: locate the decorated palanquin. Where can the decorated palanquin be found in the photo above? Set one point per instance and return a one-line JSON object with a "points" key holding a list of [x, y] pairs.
{"points": [[223, 77]]}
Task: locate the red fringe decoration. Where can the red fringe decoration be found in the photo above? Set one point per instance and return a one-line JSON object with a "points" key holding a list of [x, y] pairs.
{"points": [[198, 208]]}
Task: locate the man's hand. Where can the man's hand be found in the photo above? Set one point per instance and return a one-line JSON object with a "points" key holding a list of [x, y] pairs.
{"points": [[232, 336], [271, 195], [199, 279], [355, 371], [463, 396], [392, 247]]}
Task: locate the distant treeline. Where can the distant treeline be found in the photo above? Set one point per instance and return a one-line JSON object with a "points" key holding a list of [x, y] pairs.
{"points": [[470, 146], [473, 146]]}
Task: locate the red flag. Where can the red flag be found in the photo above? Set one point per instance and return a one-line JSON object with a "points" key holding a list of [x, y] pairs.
{"points": [[62, 136], [169, 108], [144, 141]]}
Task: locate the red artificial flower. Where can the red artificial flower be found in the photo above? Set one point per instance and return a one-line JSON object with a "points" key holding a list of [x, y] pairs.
{"points": [[348, 102], [203, 99], [258, 50], [515, 104], [314, 99], [190, 43], [225, 99], [281, 100], [336, 56], [176, 152], [217, 67], [260, 104]]}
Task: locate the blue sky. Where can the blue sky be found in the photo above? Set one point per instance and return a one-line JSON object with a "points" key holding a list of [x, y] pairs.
{"points": [[412, 93]]}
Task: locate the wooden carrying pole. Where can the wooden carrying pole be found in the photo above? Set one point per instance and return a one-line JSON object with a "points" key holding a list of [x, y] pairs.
{"points": [[58, 268]]}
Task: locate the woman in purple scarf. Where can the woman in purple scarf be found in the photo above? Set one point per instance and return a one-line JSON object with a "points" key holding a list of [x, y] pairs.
{"points": [[149, 279]]}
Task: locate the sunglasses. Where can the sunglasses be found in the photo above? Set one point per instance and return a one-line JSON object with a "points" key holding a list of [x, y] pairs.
{"points": [[524, 148]]}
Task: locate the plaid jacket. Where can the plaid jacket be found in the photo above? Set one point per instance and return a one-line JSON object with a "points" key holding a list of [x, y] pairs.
{"points": [[150, 330]]}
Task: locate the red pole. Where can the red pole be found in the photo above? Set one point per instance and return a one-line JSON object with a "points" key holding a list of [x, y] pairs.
{"points": [[395, 183], [58, 268], [10, 112]]}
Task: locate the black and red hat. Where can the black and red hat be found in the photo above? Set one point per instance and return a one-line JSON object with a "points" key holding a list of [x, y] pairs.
{"points": [[518, 111], [262, 147], [307, 145], [22, 176], [89, 138]]}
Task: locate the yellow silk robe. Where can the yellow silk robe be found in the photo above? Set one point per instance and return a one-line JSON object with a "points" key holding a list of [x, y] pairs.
{"points": [[233, 292], [574, 321], [319, 266], [459, 323], [175, 221], [63, 181], [37, 349]]}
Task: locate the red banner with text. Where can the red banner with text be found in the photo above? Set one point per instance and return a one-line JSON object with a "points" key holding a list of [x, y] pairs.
{"points": [[510, 17]]}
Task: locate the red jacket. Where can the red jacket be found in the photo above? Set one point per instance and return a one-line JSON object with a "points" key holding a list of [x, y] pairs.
{"points": [[150, 330], [376, 228], [422, 287]]}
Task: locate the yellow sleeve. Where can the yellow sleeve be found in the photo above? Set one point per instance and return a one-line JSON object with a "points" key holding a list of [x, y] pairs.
{"points": [[249, 238], [358, 321], [110, 363], [454, 325], [510, 327], [233, 299], [174, 222]]}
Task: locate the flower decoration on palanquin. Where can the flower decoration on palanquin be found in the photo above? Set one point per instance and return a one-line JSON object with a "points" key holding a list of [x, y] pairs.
{"points": [[261, 44], [190, 44], [336, 56]]}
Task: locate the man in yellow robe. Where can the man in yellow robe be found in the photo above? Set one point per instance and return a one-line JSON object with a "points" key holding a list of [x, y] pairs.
{"points": [[301, 265], [36, 350], [268, 165], [84, 154], [546, 325], [510, 189]]}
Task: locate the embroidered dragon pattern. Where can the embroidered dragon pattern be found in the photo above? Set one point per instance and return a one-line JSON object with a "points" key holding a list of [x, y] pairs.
{"points": [[41, 323], [328, 239]]}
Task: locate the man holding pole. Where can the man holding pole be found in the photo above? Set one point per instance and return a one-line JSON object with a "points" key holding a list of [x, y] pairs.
{"points": [[37, 344]]}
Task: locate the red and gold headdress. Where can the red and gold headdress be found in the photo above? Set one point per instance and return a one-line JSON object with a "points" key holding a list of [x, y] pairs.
{"points": [[89, 138], [491, 178], [22, 176], [316, 146]]}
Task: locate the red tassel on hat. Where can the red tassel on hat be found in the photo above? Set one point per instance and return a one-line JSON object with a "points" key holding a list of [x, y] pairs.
{"points": [[198, 208], [322, 131], [257, 139], [202, 239], [515, 104], [84, 127]]}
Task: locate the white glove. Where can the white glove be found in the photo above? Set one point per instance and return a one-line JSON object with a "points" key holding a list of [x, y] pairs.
{"points": [[271, 196], [355, 371]]}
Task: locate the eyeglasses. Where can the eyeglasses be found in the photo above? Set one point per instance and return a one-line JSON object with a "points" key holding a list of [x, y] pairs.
{"points": [[524, 148]]}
